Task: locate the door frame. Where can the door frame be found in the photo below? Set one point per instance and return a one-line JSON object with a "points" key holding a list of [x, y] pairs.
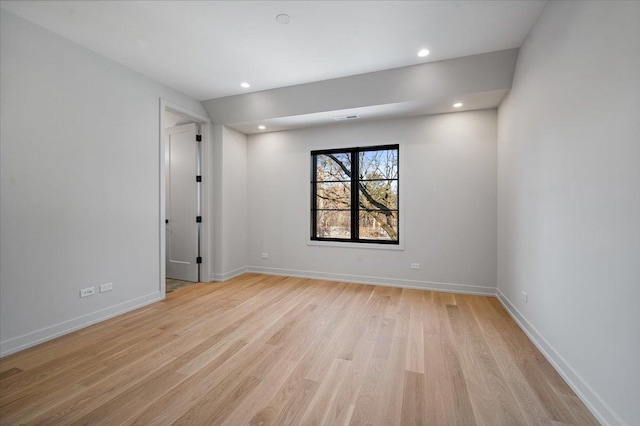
{"points": [[204, 123]]}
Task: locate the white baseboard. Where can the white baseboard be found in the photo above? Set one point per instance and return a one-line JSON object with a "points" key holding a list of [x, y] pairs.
{"points": [[25, 341], [589, 397], [228, 275], [389, 282]]}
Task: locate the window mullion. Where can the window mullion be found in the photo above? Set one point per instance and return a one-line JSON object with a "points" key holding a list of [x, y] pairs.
{"points": [[314, 198], [355, 205]]}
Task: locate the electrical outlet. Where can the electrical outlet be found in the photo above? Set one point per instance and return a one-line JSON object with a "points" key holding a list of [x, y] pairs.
{"points": [[264, 255], [414, 266], [106, 287], [525, 297], [85, 292]]}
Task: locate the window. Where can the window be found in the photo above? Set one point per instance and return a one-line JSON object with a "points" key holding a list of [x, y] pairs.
{"points": [[354, 195]]}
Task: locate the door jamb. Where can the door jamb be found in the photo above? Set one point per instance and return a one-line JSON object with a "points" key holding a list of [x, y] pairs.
{"points": [[204, 123]]}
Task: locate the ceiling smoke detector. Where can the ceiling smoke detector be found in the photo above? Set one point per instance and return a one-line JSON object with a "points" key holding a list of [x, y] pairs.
{"points": [[283, 19], [346, 117]]}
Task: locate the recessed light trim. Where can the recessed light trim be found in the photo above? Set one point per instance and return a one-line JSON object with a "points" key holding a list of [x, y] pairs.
{"points": [[423, 52], [283, 19], [245, 85], [457, 105], [262, 127]]}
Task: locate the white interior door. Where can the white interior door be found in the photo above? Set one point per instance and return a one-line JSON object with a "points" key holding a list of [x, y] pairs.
{"points": [[182, 202]]}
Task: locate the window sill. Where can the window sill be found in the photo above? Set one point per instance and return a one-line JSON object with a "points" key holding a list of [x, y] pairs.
{"points": [[341, 244]]}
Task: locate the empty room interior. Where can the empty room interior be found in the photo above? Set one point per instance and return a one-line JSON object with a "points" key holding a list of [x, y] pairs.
{"points": [[323, 212]]}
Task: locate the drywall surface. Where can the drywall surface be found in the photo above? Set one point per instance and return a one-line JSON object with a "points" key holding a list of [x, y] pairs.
{"points": [[80, 199], [569, 198], [234, 202], [431, 81], [447, 196], [214, 214]]}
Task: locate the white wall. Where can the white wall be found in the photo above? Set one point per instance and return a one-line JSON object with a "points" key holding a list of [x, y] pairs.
{"points": [[569, 198], [448, 200], [234, 202], [229, 207], [79, 184], [215, 210]]}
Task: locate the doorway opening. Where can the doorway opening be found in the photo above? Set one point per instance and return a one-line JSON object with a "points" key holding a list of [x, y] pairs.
{"points": [[183, 248]]}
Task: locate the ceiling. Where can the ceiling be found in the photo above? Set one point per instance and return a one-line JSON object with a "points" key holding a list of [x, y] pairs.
{"points": [[473, 101], [205, 49]]}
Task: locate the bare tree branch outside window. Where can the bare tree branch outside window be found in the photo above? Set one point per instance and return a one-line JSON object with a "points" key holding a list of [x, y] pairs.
{"points": [[355, 194]]}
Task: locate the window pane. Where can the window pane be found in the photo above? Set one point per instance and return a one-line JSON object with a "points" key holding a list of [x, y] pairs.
{"points": [[336, 186], [332, 167], [333, 195], [375, 225], [333, 224], [379, 195], [379, 164]]}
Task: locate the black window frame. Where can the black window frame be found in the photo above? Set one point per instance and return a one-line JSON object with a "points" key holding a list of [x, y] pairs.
{"points": [[355, 204]]}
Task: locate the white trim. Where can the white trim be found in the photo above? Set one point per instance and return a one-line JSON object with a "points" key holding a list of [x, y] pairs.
{"points": [[374, 246], [204, 205], [389, 282], [33, 338], [228, 275], [599, 408]]}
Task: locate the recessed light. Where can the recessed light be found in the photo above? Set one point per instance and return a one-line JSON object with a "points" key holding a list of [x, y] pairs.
{"points": [[283, 19], [262, 127], [423, 52], [245, 85], [457, 105]]}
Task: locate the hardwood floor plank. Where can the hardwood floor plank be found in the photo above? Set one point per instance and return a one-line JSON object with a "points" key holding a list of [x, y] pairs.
{"points": [[415, 338], [165, 409], [10, 372], [55, 373], [524, 395], [291, 400], [214, 409], [288, 322], [320, 406], [73, 405], [368, 398], [391, 310], [413, 410], [403, 314], [509, 327], [506, 409], [342, 332], [313, 328], [460, 389], [57, 388], [482, 400], [439, 394], [385, 338], [545, 382], [293, 408], [390, 408], [262, 393], [272, 350]]}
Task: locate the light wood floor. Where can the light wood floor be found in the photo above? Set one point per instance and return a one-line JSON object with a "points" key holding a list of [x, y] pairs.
{"points": [[273, 350]]}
